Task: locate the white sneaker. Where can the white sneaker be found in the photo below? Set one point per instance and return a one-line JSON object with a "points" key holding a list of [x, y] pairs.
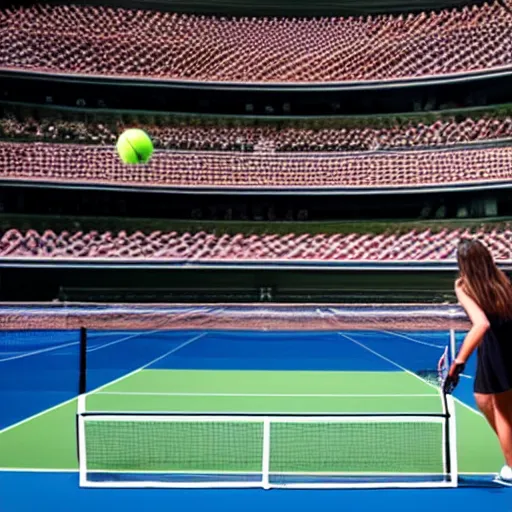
{"points": [[505, 476]]}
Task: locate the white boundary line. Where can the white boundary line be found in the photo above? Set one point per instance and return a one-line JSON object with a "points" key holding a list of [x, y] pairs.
{"points": [[98, 334], [409, 372], [38, 470], [333, 311], [362, 345], [65, 345], [400, 335], [499, 481], [36, 352], [72, 470], [93, 349], [66, 402], [269, 395], [126, 338], [274, 413]]}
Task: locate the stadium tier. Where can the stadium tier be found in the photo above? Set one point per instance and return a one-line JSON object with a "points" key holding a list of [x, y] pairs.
{"points": [[201, 246], [150, 44], [77, 164], [237, 134]]}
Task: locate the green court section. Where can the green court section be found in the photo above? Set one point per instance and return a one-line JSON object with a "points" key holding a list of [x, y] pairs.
{"points": [[267, 391], [271, 382], [263, 404], [49, 440]]}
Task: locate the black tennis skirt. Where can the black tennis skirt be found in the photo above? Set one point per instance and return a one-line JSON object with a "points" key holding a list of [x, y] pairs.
{"points": [[494, 362]]}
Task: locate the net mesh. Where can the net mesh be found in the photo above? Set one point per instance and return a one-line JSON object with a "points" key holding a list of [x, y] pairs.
{"points": [[369, 447], [173, 450], [277, 317], [151, 445]]}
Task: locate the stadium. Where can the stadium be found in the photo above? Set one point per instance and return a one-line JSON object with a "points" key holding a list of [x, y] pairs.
{"points": [[254, 315]]}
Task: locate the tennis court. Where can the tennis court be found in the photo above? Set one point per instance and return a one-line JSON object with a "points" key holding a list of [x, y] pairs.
{"points": [[233, 372]]}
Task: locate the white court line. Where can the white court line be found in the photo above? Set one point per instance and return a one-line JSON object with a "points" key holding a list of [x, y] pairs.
{"points": [[502, 482], [192, 472], [279, 395], [414, 340], [56, 347], [41, 413], [93, 349], [406, 370], [73, 470], [126, 338], [249, 412], [28, 354], [430, 334], [38, 470], [333, 311]]}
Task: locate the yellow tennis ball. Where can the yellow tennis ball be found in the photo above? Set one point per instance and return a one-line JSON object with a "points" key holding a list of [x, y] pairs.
{"points": [[134, 146]]}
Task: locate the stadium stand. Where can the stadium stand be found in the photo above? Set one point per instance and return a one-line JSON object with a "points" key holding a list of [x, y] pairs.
{"points": [[413, 245], [58, 160], [235, 134], [149, 44], [77, 164]]}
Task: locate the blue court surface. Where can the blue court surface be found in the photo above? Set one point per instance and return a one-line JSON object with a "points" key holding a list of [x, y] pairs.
{"points": [[275, 372]]}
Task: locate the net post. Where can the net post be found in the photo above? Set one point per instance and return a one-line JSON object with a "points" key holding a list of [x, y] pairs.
{"points": [[265, 470], [80, 404], [81, 407], [82, 382], [82, 459], [451, 421], [452, 440]]}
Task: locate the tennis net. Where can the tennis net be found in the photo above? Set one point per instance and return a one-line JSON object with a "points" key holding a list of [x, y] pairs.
{"points": [[337, 451], [136, 435]]}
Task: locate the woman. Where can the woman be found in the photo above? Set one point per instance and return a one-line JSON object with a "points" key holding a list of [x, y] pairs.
{"points": [[485, 293]]}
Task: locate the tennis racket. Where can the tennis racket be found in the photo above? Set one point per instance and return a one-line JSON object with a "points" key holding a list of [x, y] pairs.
{"points": [[448, 372]]}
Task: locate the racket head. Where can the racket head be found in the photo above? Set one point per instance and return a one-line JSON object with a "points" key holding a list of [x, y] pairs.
{"points": [[443, 367]]}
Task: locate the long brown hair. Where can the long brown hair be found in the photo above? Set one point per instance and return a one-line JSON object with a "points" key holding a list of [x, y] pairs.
{"points": [[483, 281]]}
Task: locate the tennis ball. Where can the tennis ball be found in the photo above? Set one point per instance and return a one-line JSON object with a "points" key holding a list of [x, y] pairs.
{"points": [[134, 146]]}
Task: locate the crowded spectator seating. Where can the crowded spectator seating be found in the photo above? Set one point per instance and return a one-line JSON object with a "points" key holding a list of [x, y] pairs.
{"points": [[195, 134], [425, 245], [80, 164], [72, 40]]}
